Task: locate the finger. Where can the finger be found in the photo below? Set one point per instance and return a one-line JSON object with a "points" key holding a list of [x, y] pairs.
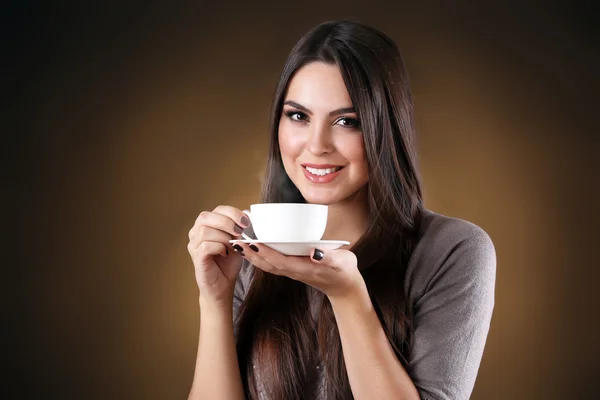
{"points": [[251, 253], [205, 233], [235, 214], [216, 221], [290, 266], [206, 250], [336, 259]]}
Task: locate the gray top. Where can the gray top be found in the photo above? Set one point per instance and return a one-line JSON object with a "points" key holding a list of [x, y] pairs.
{"points": [[449, 284]]}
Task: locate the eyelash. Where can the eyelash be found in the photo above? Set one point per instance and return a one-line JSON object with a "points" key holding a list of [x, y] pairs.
{"points": [[353, 122]]}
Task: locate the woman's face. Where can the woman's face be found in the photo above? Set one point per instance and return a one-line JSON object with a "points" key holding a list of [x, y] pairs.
{"points": [[320, 137]]}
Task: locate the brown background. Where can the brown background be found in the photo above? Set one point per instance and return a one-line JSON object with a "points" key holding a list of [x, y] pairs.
{"points": [[131, 119]]}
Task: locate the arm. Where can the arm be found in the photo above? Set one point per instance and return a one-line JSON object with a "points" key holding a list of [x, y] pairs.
{"points": [[217, 375], [373, 370], [452, 311], [451, 322]]}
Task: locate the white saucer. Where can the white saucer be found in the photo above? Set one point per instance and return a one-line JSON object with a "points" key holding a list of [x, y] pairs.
{"points": [[297, 248]]}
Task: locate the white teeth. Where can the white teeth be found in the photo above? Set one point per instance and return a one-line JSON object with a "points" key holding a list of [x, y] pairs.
{"points": [[322, 172]]}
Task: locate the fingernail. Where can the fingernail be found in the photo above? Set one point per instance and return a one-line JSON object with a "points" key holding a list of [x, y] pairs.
{"points": [[253, 247], [238, 229], [245, 221], [226, 251], [237, 247], [318, 255]]}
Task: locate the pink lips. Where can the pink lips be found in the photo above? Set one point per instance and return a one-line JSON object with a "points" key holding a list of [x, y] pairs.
{"points": [[318, 178]]}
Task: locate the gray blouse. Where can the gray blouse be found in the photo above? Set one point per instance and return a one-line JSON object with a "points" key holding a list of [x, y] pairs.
{"points": [[449, 284]]}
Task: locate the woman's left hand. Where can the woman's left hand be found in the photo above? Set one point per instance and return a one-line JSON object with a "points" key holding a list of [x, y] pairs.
{"points": [[333, 272]]}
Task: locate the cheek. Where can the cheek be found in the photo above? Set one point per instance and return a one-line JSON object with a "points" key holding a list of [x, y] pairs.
{"points": [[353, 150], [290, 143]]}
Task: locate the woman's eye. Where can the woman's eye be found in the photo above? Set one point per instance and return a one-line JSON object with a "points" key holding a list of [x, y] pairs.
{"points": [[296, 115], [348, 122]]}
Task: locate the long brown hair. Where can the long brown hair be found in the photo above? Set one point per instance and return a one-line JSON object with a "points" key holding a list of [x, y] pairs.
{"points": [[276, 329]]}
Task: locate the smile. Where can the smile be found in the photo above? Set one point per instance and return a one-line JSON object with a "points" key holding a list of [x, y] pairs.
{"points": [[321, 173]]}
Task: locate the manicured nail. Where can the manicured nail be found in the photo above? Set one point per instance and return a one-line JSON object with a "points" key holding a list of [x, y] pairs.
{"points": [[318, 255], [245, 221], [237, 247], [238, 229], [253, 247]]}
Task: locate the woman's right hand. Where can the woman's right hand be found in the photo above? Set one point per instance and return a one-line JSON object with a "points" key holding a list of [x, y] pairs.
{"points": [[215, 263]]}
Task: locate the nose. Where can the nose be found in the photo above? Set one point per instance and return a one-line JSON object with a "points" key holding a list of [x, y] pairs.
{"points": [[319, 141]]}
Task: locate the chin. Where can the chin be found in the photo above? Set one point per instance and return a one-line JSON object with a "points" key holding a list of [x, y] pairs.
{"points": [[327, 201], [314, 197]]}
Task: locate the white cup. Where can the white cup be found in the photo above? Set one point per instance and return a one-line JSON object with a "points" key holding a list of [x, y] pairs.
{"points": [[289, 222]]}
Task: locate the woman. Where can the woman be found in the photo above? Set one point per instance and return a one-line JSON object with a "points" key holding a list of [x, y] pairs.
{"points": [[401, 313]]}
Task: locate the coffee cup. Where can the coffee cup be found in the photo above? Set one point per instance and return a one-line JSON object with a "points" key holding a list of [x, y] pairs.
{"points": [[288, 222]]}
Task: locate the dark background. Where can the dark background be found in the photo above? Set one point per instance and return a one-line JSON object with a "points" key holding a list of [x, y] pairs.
{"points": [[124, 121]]}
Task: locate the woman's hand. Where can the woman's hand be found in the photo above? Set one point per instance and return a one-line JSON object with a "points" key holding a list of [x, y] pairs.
{"points": [[333, 272], [216, 266]]}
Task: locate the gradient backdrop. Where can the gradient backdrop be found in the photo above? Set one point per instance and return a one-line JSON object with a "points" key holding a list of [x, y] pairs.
{"points": [[130, 119]]}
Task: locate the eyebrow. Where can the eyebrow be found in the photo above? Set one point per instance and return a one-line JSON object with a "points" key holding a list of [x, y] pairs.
{"points": [[339, 111]]}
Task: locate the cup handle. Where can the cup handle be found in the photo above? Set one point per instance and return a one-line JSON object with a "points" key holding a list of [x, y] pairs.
{"points": [[247, 212]]}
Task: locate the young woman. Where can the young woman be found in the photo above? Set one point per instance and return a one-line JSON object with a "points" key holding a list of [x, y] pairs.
{"points": [[401, 313]]}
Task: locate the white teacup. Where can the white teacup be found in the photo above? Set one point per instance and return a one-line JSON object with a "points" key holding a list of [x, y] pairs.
{"points": [[275, 222]]}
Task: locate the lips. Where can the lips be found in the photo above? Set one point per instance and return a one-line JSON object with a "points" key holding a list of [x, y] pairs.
{"points": [[321, 173]]}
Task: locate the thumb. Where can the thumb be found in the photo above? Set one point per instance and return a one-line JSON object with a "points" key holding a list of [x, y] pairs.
{"points": [[334, 258]]}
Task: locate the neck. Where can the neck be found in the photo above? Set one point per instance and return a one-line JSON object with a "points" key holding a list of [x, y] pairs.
{"points": [[347, 219]]}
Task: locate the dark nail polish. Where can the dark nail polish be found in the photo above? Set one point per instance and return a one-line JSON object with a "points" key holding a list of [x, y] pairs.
{"points": [[318, 255], [245, 221], [253, 247], [237, 247], [238, 229]]}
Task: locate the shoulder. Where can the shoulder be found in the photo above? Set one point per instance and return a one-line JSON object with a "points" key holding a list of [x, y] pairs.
{"points": [[450, 290], [451, 249], [441, 233]]}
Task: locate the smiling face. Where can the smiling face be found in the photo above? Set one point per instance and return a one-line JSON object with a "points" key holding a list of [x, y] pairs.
{"points": [[320, 138]]}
